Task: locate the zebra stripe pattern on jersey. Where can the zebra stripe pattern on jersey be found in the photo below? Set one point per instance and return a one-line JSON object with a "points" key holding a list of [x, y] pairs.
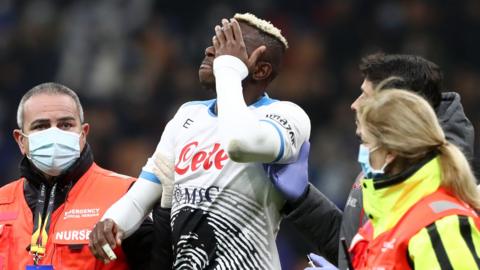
{"points": [[227, 233]]}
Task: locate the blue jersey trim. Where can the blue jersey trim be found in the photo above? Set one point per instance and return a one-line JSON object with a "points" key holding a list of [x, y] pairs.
{"points": [[150, 177], [282, 141], [211, 108], [207, 103], [265, 100], [211, 103]]}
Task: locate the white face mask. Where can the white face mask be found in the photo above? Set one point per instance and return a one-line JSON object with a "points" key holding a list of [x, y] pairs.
{"points": [[53, 150]]}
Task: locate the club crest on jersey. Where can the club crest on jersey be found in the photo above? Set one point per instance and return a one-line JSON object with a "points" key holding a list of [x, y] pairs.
{"points": [[193, 160]]}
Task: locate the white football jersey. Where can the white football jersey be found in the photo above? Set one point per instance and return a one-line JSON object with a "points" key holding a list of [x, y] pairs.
{"points": [[225, 215]]}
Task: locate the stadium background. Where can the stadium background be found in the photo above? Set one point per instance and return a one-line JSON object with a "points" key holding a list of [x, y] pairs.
{"points": [[134, 62]]}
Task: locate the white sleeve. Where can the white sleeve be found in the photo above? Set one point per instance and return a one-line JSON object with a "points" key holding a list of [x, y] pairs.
{"points": [[276, 137], [293, 128], [160, 166], [155, 182], [246, 138], [130, 211]]}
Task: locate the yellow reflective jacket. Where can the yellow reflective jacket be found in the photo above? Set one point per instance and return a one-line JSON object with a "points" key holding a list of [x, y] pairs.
{"points": [[451, 240]]}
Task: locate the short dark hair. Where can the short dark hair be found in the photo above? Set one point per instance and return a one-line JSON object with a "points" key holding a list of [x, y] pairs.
{"points": [[416, 74], [270, 36], [50, 88], [274, 52], [275, 48]]}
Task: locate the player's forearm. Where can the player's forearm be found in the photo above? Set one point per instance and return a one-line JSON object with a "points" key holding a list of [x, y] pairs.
{"points": [[130, 211], [246, 138]]}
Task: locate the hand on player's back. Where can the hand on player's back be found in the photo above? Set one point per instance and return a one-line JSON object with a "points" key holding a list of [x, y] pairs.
{"points": [[228, 40], [291, 179]]}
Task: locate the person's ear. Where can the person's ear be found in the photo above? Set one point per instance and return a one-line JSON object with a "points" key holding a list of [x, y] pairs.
{"points": [[21, 141], [83, 135], [390, 157], [262, 71]]}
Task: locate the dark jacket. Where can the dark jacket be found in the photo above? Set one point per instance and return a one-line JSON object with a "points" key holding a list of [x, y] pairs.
{"points": [[323, 227], [162, 251], [458, 130], [137, 247]]}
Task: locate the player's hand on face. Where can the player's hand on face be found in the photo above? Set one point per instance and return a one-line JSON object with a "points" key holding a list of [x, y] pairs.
{"points": [[228, 40], [104, 233]]}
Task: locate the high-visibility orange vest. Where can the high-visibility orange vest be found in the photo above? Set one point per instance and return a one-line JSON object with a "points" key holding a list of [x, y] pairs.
{"points": [[71, 223], [388, 250]]}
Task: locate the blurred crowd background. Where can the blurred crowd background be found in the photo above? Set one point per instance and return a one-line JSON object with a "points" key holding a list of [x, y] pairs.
{"points": [[133, 63]]}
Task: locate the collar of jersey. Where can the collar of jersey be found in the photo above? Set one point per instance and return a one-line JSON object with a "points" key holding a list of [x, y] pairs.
{"points": [[262, 101]]}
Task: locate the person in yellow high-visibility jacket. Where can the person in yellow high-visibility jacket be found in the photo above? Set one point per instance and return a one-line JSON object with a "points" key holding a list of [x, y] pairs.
{"points": [[419, 190]]}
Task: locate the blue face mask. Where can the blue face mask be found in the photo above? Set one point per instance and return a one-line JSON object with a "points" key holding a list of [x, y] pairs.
{"points": [[53, 150], [364, 160]]}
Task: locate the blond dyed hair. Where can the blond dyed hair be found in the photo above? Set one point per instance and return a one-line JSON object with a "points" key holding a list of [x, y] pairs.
{"points": [[262, 25], [405, 123]]}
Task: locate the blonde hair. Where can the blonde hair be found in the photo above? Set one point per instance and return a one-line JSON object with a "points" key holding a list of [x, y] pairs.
{"points": [[405, 123], [262, 25]]}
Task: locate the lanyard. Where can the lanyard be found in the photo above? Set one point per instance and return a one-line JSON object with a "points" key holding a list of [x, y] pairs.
{"points": [[41, 224]]}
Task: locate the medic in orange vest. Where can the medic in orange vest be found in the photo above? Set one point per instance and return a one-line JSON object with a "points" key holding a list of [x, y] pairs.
{"points": [[47, 215], [419, 191]]}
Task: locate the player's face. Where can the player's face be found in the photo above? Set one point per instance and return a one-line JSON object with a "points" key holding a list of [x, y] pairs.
{"points": [[367, 91], [205, 72]]}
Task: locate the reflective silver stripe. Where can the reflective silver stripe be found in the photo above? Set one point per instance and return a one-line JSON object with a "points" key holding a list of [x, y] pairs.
{"points": [[440, 206]]}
